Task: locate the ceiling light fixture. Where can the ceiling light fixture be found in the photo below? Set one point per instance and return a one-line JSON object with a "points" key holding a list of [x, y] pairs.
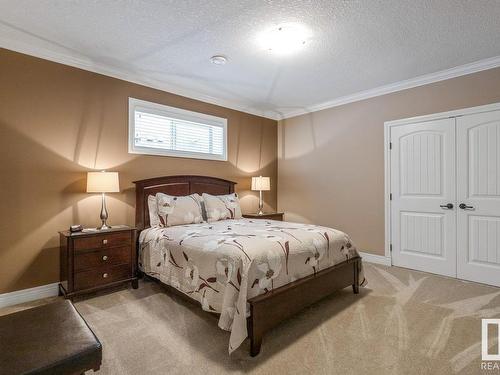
{"points": [[218, 60], [284, 39]]}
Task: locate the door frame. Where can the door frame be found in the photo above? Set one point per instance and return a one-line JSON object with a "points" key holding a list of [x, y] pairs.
{"points": [[388, 125]]}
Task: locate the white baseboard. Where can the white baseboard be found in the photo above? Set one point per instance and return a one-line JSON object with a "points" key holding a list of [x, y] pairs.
{"points": [[27, 295], [374, 258]]}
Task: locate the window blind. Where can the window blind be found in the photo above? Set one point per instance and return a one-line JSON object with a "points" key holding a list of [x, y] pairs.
{"points": [[176, 135]]}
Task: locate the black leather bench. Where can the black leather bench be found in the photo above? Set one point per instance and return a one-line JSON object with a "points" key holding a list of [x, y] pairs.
{"points": [[50, 339]]}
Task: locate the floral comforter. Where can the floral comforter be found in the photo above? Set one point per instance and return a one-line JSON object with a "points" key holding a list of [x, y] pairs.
{"points": [[225, 263]]}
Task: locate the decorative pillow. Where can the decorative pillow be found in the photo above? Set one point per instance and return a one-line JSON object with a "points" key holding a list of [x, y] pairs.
{"points": [[178, 210], [221, 207], [154, 220]]}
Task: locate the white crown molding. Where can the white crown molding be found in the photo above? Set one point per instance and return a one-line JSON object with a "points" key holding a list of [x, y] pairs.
{"points": [[374, 258], [28, 295], [462, 70], [92, 66]]}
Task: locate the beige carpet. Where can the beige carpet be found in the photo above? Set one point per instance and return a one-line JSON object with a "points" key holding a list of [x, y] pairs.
{"points": [[404, 322]]}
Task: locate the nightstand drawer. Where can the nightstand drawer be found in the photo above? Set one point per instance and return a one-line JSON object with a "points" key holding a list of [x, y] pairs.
{"points": [[99, 258], [103, 241], [101, 276]]}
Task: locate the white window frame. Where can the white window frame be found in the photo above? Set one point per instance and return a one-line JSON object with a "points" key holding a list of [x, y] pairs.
{"points": [[182, 114]]}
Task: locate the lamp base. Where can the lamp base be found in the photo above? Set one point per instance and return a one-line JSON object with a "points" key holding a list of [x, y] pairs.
{"points": [[104, 214], [104, 226], [261, 204]]}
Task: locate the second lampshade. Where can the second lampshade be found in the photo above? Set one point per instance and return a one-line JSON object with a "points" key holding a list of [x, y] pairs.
{"points": [[261, 184]]}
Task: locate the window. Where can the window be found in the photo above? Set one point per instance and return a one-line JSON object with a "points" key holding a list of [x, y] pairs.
{"points": [[156, 129]]}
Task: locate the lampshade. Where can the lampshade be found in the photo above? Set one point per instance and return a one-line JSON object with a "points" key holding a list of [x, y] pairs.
{"points": [[103, 182], [261, 183]]}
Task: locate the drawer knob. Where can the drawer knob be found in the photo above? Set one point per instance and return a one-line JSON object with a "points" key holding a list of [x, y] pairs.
{"points": [[104, 275], [104, 242], [105, 257]]}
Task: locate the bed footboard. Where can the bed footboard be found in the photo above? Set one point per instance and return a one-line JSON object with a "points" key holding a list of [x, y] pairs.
{"points": [[270, 309]]}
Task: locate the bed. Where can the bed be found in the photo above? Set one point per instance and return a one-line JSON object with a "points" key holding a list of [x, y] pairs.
{"points": [[253, 273]]}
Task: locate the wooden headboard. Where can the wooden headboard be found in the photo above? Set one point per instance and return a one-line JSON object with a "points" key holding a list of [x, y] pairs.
{"points": [[175, 185]]}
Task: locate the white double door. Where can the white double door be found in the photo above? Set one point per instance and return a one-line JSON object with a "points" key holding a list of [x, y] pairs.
{"points": [[445, 186]]}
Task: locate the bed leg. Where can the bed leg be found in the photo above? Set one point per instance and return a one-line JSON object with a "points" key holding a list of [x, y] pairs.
{"points": [[355, 286], [254, 333], [255, 344]]}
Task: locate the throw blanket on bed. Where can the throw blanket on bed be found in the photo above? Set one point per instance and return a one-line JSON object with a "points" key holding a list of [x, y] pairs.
{"points": [[222, 264]]}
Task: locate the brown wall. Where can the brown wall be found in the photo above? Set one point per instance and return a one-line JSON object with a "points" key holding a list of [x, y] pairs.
{"points": [[57, 122], [331, 162]]}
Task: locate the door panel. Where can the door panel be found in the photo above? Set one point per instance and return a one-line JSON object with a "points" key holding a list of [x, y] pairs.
{"points": [[484, 239], [478, 186], [422, 179], [429, 228], [421, 164]]}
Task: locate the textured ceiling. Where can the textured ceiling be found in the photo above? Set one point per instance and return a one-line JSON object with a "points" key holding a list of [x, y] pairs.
{"points": [[355, 45]]}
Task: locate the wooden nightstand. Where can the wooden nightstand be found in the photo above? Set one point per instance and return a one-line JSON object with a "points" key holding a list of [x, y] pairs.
{"points": [[91, 261], [266, 215]]}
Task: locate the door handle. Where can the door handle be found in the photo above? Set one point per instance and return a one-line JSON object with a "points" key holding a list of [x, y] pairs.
{"points": [[448, 206], [463, 206]]}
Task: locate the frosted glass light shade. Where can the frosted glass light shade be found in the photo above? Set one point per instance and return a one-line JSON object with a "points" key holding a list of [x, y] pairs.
{"points": [[103, 182], [261, 183]]}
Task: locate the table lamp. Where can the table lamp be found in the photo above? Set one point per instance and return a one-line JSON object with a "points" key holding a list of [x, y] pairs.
{"points": [[103, 182], [261, 184]]}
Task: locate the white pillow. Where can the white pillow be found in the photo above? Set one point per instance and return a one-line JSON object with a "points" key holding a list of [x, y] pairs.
{"points": [[182, 210], [154, 220], [221, 207]]}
